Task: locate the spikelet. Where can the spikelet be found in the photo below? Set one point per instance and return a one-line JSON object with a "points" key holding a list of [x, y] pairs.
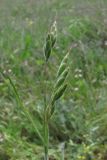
{"points": [[63, 65], [50, 41], [60, 85], [62, 78], [59, 93]]}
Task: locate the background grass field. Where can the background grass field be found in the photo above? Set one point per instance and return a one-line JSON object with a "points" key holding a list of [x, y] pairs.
{"points": [[78, 129]]}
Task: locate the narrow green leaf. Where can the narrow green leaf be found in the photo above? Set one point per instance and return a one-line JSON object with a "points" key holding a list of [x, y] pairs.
{"points": [[20, 104]]}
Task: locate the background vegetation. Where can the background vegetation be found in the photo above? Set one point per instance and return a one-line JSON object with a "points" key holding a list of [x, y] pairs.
{"points": [[78, 129]]}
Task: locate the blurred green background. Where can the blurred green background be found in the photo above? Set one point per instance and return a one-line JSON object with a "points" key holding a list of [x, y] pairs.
{"points": [[78, 129]]}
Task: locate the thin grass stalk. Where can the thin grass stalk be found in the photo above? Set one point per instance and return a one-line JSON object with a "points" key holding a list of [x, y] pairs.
{"points": [[46, 140], [20, 104], [46, 127]]}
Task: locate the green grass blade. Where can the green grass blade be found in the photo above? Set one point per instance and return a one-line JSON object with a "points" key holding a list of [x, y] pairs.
{"points": [[20, 104]]}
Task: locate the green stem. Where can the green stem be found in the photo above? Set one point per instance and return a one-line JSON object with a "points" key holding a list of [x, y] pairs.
{"points": [[46, 127], [46, 139]]}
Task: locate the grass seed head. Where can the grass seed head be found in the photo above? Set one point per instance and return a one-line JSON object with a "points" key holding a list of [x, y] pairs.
{"points": [[50, 41], [61, 69], [59, 93]]}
